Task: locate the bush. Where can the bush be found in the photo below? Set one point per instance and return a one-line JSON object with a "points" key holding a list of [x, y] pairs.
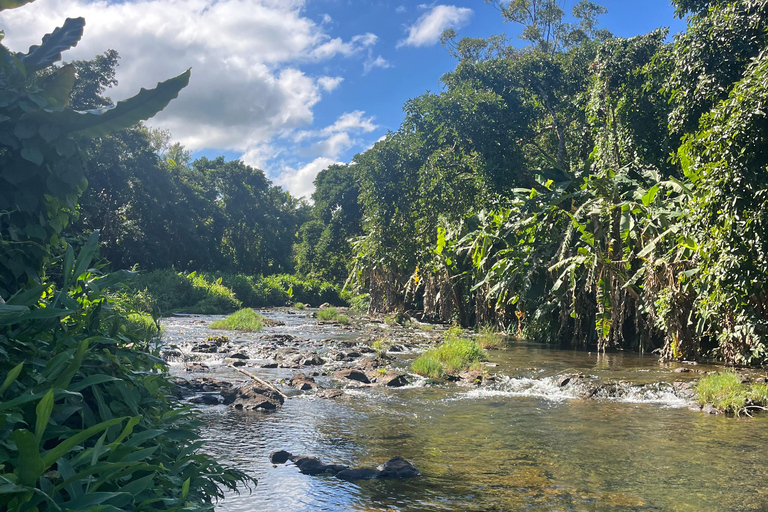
{"points": [[300, 305], [194, 293], [332, 315], [244, 320], [452, 356], [724, 391], [85, 416]]}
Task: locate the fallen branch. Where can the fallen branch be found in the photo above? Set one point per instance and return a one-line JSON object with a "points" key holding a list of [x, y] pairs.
{"points": [[260, 381]]}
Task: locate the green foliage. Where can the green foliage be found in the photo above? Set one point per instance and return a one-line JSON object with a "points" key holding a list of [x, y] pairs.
{"points": [[450, 357], [300, 306], [727, 393], [194, 293], [246, 320], [43, 172], [332, 315], [85, 417]]}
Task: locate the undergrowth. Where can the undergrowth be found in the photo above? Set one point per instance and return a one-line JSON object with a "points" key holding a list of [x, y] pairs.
{"points": [[452, 356], [727, 393]]}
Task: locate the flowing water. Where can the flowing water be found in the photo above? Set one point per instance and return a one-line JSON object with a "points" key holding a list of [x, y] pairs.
{"points": [[523, 443]]}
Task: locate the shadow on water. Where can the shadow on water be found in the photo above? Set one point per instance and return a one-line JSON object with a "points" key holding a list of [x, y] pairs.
{"points": [[501, 450]]}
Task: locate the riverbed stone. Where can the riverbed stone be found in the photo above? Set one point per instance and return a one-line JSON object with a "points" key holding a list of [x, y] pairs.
{"points": [[303, 382], [397, 467], [196, 367], [253, 396], [393, 379], [351, 374], [351, 475], [312, 360], [279, 457], [331, 394], [312, 466]]}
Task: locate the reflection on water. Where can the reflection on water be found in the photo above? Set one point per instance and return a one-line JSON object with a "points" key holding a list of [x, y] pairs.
{"points": [[524, 445], [516, 453]]}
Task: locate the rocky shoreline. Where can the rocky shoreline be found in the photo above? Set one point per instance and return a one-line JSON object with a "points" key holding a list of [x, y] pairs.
{"points": [[370, 353]]}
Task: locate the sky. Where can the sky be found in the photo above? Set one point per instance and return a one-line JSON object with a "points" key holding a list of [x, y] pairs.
{"points": [[287, 86]]}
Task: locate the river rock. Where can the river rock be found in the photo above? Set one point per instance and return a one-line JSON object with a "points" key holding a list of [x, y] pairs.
{"points": [[303, 382], [207, 399], [253, 396], [207, 385], [351, 475], [239, 355], [312, 360], [196, 367], [393, 379], [312, 466], [270, 364], [351, 374], [397, 467], [279, 457], [331, 394], [471, 377]]}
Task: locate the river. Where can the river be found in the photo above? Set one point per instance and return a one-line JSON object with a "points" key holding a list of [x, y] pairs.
{"points": [[522, 442]]}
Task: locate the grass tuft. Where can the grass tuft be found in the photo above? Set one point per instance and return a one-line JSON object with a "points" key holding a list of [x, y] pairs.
{"points": [[300, 305], [490, 339], [332, 315], [452, 356], [244, 320]]}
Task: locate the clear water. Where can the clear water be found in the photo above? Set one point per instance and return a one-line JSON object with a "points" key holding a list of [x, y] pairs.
{"points": [[524, 444]]}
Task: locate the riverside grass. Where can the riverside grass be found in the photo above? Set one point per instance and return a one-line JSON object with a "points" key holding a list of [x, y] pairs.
{"points": [[454, 355], [727, 393], [246, 320], [332, 315]]}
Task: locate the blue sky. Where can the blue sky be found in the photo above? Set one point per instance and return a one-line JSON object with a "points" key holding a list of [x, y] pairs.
{"points": [[289, 86]]}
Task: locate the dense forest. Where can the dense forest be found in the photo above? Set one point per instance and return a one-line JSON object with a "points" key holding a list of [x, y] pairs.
{"points": [[581, 189], [574, 188]]}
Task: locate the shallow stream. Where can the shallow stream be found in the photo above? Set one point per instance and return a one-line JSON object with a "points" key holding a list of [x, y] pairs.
{"points": [[521, 443]]}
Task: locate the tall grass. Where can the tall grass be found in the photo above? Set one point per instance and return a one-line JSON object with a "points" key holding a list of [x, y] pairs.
{"points": [[332, 315], [490, 339], [246, 320], [726, 392], [450, 357]]}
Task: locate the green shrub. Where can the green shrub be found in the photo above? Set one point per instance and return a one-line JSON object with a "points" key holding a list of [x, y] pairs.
{"points": [[300, 305], [195, 293], [85, 416], [360, 302], [244, 320], [342, 319], [452, 356]]}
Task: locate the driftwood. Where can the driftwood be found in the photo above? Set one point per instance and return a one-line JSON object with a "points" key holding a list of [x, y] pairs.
{"points": [[260, 381]]}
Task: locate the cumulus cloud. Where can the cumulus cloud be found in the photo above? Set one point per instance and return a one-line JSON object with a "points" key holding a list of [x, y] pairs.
{"points": [[246, 85], [300, 182], [329, 83], [427, 29], [378, 62]]}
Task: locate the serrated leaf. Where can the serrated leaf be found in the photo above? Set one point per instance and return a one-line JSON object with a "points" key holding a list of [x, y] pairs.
{"points": [[61, 39], [99, 122]]}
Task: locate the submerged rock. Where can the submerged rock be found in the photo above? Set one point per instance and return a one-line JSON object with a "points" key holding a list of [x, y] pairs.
{"points": [[393, 379], [312, 466], [350, 475], [397, 467]]}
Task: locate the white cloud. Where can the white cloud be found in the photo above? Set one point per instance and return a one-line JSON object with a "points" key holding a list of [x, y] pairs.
{"points": [[427, 29], [378, 62], [400, 9], [300, 182], [329, 83], [246, 86]]}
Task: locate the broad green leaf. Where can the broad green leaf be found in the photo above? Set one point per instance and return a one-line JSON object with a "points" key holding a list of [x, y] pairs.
{"points": [[12, 375], [43, 414], [65, 446], [185, 489], [29, 466], [89, 251]]}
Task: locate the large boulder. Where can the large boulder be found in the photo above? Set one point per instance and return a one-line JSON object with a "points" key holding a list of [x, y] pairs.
{"points": [[253, 396]]}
